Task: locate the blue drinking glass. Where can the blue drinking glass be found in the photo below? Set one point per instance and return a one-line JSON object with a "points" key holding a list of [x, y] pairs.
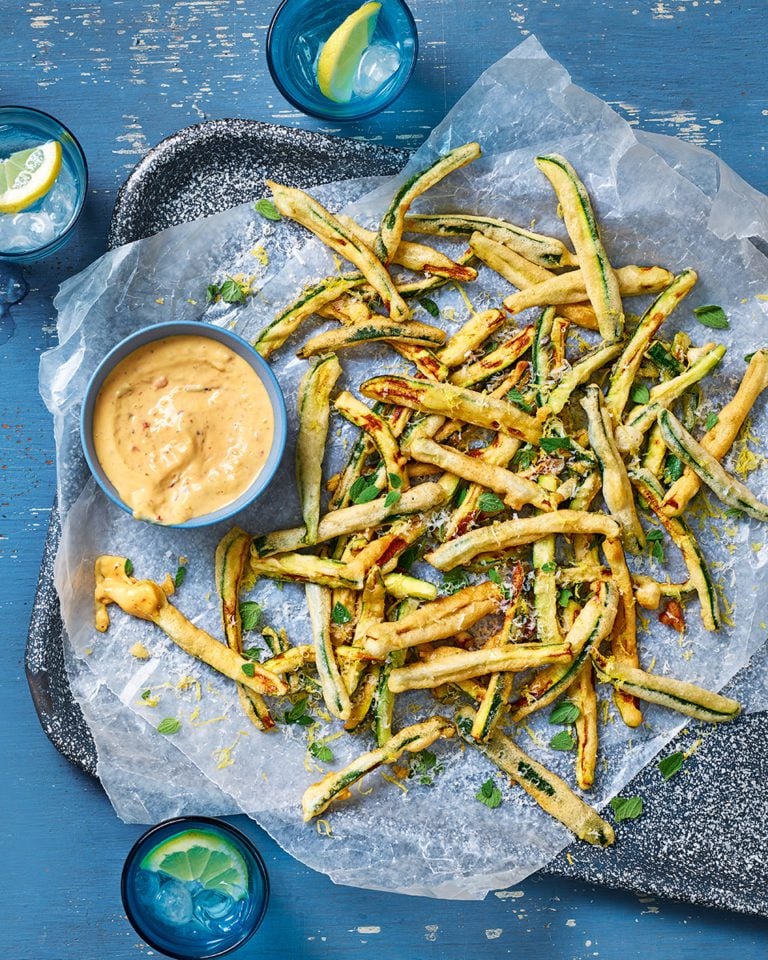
{"points": [[297, 33], [44, 227], [194, 888]]}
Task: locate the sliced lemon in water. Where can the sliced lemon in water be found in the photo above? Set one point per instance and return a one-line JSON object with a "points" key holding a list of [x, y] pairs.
{"points": [[28, 175], [208, 858], [340, 57]]}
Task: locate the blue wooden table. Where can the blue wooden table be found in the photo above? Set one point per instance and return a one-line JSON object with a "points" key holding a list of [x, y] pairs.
{"points": [[123, 74]]}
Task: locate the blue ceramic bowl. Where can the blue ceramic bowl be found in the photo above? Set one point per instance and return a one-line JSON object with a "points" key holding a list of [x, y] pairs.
{"points": [[189, 328]]}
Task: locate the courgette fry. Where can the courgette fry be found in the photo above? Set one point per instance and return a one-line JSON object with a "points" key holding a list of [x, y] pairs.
{"points": [[415, 256], [516, 491], [545, 583], [304, 209], [629, 362], [550, 792], [629, 435], [582, 693], [313, 399], [617, 490], [425, 361], [230, 564], [434, 621], [649, 488], [384, 702], [720, 438], [624, 633], [341, 523], [565, 288], [310, 301], [392, 223], [495, 361], [593, 625], [402, 586], [371, 612], [516, 533], [378, 329], [466, 664], [306, 568], [335, 785], [539, 249], [378, 430], [685, 698], [655, 452], [522, 273], [457, 402], [470, 336], [147, 600], [709, 470], [578, 373], [363, 697], [600, 280], [541, 353], [334, 692]]}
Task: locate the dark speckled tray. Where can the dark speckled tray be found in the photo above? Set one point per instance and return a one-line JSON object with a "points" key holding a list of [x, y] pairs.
{"points": [[703, 836]]}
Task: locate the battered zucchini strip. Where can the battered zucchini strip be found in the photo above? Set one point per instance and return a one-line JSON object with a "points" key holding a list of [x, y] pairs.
{"points": [[371, 331], [335, 785], [624, 633], [466, 664], [541, 353], [593, 625], [384, 702], [544, 583], [516, 491], [499, 392], [363, 698], [600, 280], [457, 402], [578, 373], [304, 209], [617, 490], [415, 256], [629, 435], [655, 452], [582, 693], [516, 533], [147, 600], [649, 592], [550, 792], [570, 287], [290, 660], [720, 438], [348, 520], [539, 249], [347, 309], [626, 368], [495, 360], [402, 587], [392, 223], [434, 621], [470, 336], [378, 430], [417, 288], [231, 561], [652, 492], [425, 361], [371, 612], [313, 398], [334, 692], [522, 273], [305, 568], [726, 487], [686, 698], [311, 300]]}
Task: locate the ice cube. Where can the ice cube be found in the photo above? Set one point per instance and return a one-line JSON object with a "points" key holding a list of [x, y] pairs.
{"points": [[60, 202], [211, 907], [379, 62], [40, 226], [146, 885], [173, 903]]}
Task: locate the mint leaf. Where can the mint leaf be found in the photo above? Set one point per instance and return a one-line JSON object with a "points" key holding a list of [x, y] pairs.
{"points": [[321, 751], [267, 209], [424, 765], [298, 713], [212, 293], [494, 575], [565, 713], [711, 421], [514, 396], [673, 468], [430, 306], [549, 567], [489, 794], [734, 513], [363, 490], [524, 457], [340, 614], [641, 394], [252, 653], [146, 694], [553, 444], [169, 725], [180, 577], [231, 291], [712, 316], [392, 497], [454, 580], [409, 556], [564, 597], [250, 614], [669, 766], [626, 808], [564, 740], [395, 481], [654, 535], [248, 669], [128, 567], [490, 503]]}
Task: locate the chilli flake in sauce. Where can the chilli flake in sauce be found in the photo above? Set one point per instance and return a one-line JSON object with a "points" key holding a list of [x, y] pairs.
{"points": [[182, 426]]}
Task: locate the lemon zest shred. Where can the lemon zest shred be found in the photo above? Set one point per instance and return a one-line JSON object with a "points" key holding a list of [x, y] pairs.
{"points": [[400, 786], [323, 828], [463, 294], [532, 734], [261, 255]]}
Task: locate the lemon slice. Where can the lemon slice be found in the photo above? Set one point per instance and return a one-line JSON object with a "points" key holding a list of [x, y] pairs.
{"points": [[339, 58], [28, 175], [208, 858]]}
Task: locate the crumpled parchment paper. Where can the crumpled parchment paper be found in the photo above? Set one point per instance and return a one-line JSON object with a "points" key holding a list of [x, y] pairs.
{"points": [[658, 201]]}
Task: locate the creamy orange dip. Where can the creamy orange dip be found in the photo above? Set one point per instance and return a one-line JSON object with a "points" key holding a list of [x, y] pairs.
{"points": [[182, 426]]}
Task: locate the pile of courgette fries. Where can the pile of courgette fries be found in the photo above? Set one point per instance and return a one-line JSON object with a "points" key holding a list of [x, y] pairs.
{"points": [[498, 417]]}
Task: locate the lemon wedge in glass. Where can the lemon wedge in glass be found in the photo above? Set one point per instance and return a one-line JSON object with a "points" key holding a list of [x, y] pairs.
{"points": [[340, 57], [28, 175], [204, 857]]}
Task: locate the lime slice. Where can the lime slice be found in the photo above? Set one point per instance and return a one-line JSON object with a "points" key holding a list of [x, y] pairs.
{"points": [[339, 58], [208, 858], [28, 175]]}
